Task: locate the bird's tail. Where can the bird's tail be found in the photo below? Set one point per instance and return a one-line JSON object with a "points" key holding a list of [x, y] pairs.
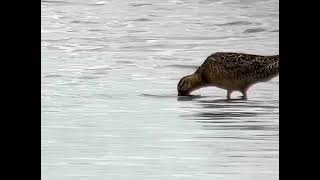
{"points": [[274, 65], [272, 69]]}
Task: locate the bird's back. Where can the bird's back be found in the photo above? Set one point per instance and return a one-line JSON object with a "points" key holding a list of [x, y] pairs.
{"points": [[238, 69]]}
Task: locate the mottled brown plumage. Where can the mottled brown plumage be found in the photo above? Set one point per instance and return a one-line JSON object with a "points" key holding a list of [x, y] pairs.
{"points": [[231, 71]]}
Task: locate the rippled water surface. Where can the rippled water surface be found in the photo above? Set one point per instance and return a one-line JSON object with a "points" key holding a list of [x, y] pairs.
{"points": [[109, 102]]}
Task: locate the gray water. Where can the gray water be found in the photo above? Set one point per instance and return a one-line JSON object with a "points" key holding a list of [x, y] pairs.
{"points": [[110, 109]]}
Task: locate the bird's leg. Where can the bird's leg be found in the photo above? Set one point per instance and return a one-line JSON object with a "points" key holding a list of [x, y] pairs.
{"points": [[244, 92], [229, 94]]}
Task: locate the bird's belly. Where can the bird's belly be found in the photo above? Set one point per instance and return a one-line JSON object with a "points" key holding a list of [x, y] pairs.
{"points": [[230, 84]]}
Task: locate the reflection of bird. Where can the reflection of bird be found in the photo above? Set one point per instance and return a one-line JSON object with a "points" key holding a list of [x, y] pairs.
{"points": [[231, 71]]}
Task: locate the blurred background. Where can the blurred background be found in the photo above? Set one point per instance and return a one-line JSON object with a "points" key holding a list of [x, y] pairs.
{"points": [[109, 101]]}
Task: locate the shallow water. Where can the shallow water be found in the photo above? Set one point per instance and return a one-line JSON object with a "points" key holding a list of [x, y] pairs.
{"points": [[109, 102]]}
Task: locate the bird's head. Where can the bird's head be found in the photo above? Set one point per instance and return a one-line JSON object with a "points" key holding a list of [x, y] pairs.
{"points": [[188, 84]]}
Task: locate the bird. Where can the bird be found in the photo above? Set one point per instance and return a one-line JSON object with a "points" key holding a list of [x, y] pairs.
{"points": [[231, 71]]}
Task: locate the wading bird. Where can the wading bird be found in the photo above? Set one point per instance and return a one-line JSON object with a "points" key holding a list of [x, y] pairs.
{"points": [[232, 72]]}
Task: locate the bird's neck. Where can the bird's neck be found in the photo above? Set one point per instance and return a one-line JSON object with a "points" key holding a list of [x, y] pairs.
{"points": [[196, 81]]}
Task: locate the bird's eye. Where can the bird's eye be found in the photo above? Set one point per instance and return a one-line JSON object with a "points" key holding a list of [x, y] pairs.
{"points": [[184, 86]]}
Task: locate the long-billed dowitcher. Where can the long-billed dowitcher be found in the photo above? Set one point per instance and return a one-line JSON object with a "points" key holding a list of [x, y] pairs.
{"points": [[232, 72]]}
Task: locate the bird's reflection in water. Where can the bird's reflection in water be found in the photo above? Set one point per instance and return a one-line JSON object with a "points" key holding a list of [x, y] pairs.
{"points": [[189, 98], [229, 114]]}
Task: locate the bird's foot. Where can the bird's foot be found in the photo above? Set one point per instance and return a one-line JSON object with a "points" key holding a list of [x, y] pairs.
{"points": [[244, 97]]}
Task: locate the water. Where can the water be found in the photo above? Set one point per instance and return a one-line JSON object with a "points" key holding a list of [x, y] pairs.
{"points": [[109, 101]]}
